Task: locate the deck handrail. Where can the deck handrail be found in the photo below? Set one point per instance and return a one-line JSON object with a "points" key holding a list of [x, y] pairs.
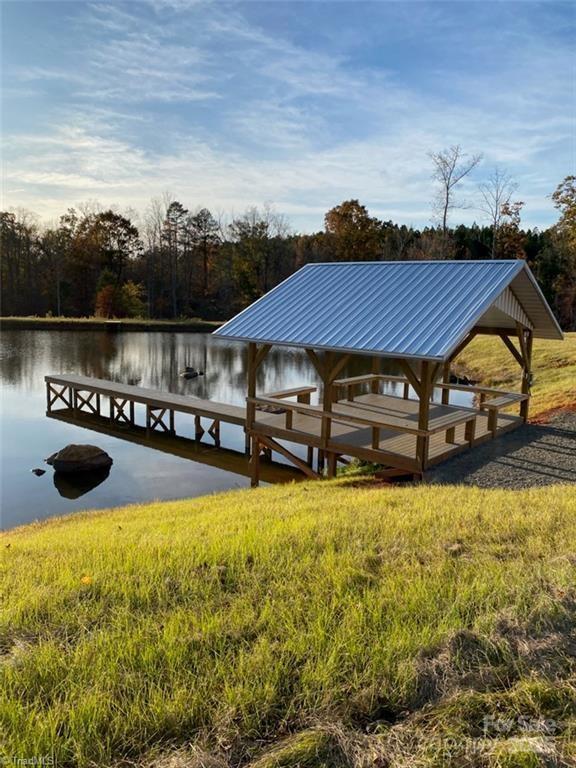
{"points": [[366, 378], [317, 412], [480, 390], [370, 377]]}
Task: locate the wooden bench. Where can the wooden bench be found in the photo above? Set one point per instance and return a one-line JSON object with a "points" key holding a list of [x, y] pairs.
{"points": [[302, 394], [495, 404]]}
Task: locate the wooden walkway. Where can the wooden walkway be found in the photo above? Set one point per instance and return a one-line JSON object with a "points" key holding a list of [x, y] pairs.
{"points": [[83, 393], [378, 427]]}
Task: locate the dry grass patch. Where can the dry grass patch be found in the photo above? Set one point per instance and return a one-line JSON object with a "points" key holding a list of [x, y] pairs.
{"points": [[488, 361]]}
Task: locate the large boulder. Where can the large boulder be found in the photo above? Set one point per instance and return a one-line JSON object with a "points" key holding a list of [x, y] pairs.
{"points": [[79, 458]]}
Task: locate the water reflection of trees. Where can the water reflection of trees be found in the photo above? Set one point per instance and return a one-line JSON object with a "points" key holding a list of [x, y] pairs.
{"points": [[154, 360]]}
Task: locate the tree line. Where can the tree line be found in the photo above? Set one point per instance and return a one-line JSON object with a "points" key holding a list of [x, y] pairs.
{"points": [[180, 263]]}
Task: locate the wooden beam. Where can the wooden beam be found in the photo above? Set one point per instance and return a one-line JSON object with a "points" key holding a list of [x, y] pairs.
{"points": [[463, 344], [520, 330], [335, 370], [316, 362], [515, 353], [410, 375], [261, 354], [275, 446], [496, 331]]}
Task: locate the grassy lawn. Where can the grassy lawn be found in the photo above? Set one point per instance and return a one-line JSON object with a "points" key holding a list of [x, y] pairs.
{"points": [[316, 624], [487, 360]]}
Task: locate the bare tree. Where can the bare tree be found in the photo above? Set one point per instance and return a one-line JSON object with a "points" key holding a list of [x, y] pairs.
{"points": [[496, 195], [450, 167]]}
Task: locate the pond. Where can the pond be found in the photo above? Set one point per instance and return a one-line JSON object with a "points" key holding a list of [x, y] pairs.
{"points": [[140, 473]]}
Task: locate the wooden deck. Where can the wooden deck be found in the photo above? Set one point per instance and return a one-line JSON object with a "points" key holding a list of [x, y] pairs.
{"points": [[396, 447], [378, 427]]}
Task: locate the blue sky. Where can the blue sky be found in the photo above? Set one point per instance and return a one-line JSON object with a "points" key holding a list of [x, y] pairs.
{"points": [[297, 104]]}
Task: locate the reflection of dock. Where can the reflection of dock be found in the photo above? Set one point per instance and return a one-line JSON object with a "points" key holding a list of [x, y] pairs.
{"points": [[221, 458]]}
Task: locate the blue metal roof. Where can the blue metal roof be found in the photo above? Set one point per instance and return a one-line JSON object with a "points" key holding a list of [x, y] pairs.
{"points": [[413, 309]]}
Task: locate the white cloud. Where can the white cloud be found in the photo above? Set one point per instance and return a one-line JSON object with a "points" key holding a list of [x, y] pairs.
{"points": [[298, 127]]}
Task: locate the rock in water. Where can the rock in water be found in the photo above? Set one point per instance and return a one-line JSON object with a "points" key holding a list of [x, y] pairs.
{"points": [[38, 472], [79, 458]]}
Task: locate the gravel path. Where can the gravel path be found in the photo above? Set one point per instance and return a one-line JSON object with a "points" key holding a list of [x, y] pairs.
{"points": [[533, 455]]}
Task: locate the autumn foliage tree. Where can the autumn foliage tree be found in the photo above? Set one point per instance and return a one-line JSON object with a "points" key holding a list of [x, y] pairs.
{"points": [[353, 234]]}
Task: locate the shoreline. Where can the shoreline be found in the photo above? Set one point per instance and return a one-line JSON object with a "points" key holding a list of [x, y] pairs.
{"points": [[194, 325]]}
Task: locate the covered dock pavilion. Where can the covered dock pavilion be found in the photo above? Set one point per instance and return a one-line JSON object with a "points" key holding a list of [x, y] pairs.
{"points": [[420, 314]]}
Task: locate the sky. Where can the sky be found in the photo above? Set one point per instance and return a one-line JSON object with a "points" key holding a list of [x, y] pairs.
{"points": [[299, 105]]}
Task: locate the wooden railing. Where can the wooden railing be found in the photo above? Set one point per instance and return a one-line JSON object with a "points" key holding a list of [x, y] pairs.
{"points": [[327, 417], [377, 424], [351, 383]]}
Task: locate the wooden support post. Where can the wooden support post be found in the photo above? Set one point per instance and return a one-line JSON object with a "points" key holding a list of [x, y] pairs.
{"points": [[470, 431], [171, 421], [493, 421], [526, 375], [251, 388], [406, 392], [148, 420], [375, 383], [375, 438], [255, 357], [255, 462], [422, 441], [332, 460], [446, 380], [198, 430], [310, 456], [132, 419]]}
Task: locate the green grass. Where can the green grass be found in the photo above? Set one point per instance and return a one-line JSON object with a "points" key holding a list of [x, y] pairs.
{"points": [[487, 360], [315, 624]]}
